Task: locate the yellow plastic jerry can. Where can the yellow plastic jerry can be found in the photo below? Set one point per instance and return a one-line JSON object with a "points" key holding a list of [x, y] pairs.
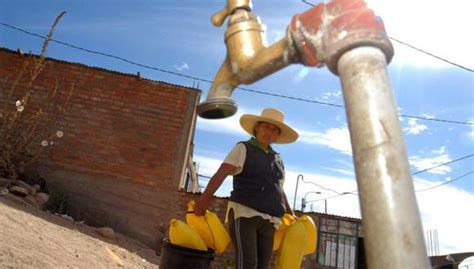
{"points": [[183, 235], [210, 228], [311, 233], [286, 221], [291, 250]]}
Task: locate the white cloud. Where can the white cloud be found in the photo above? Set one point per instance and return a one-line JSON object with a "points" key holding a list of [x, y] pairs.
{"points": [[437, 157], [414, 127], [445, 209], [428, 116], [304, 71], [207, 167], [344, 172], [182, 66], [331, 96], [420, 24], [335, 138], [229, 125], [470, 134], [441, 150], [275, 35]]}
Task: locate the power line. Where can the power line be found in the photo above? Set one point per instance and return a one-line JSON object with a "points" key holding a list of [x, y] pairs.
{"points": [[417, 49], [453, 161], [291, 97], [204, 176], [210, 81], [339, 194], [447, 182], [440, 120], [418, 172], [431, 54], [106, 54], [322, 187]]}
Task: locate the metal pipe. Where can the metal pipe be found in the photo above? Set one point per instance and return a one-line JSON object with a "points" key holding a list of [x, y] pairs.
{"points": [[393, 235], [296, 189]]}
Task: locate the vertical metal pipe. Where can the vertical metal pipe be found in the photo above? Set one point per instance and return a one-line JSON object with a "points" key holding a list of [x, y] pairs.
{"points": [[393, 235], [296, 190], [430, 244], [437, 243], [430, 240]]}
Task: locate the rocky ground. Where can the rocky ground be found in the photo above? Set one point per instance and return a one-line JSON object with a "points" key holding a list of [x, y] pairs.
{"points": [[33, 238]]}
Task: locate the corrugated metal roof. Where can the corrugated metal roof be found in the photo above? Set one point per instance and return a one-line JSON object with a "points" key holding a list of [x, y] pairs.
{"points": [[97, 68], [317, 213]]}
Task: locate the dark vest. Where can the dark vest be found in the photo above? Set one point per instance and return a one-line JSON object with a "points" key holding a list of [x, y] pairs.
{"points": [[257, 185]]}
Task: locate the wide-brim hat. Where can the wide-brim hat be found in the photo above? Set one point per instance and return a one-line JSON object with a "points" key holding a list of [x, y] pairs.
{"points": [[287, 134]]}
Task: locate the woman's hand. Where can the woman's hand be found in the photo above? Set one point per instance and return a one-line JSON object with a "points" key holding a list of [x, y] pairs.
{"points": [[202, 204], [214, 183]]}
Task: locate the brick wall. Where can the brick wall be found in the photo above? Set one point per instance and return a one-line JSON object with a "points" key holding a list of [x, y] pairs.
{"points": [[125, 145]]}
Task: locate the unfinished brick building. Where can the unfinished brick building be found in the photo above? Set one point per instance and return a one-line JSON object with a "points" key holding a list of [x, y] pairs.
{"points": [[126, 145]]}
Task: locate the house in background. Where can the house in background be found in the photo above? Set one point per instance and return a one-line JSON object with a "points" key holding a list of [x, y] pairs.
{"points": [[340, 242], [450, 261], [190, 181]]}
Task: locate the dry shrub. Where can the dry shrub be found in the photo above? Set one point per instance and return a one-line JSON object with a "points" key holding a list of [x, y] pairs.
{"points": [[28, 119]]}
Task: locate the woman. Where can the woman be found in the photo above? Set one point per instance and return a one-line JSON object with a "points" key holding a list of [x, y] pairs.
{"points": [[257, 201]]}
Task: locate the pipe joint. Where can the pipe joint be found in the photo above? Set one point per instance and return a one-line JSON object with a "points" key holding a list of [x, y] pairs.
{"points": [[325, 32]]}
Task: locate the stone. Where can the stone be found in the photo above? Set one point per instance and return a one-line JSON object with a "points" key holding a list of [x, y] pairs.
{"points": [[22, 184], [43, 196], [32, 191], [5, 182], [37, 187], [106, 232], [39, 201], [20, 191], [33, 201], [25, 185], [15, 199], [67, 217]]}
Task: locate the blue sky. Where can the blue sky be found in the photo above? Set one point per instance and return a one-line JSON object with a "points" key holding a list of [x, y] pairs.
{"points": [[178, 36]]}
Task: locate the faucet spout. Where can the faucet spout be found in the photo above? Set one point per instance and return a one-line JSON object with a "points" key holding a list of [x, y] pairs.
{"points": [[218, 103]]}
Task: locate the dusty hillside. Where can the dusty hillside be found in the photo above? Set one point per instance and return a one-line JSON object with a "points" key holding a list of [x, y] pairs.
{"points": [[31, 238]]}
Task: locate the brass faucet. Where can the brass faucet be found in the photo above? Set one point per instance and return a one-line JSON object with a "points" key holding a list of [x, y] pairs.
{"points": [[248, 58]]}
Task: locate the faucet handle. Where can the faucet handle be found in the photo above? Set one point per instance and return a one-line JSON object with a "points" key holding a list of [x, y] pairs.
{"points": [[219, 17]]}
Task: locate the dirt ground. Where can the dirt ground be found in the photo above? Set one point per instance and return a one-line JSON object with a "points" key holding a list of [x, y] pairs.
{"points": [[31, 238]]}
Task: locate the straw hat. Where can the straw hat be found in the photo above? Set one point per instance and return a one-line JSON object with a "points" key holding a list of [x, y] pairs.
{"points": [[273, 116]]}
